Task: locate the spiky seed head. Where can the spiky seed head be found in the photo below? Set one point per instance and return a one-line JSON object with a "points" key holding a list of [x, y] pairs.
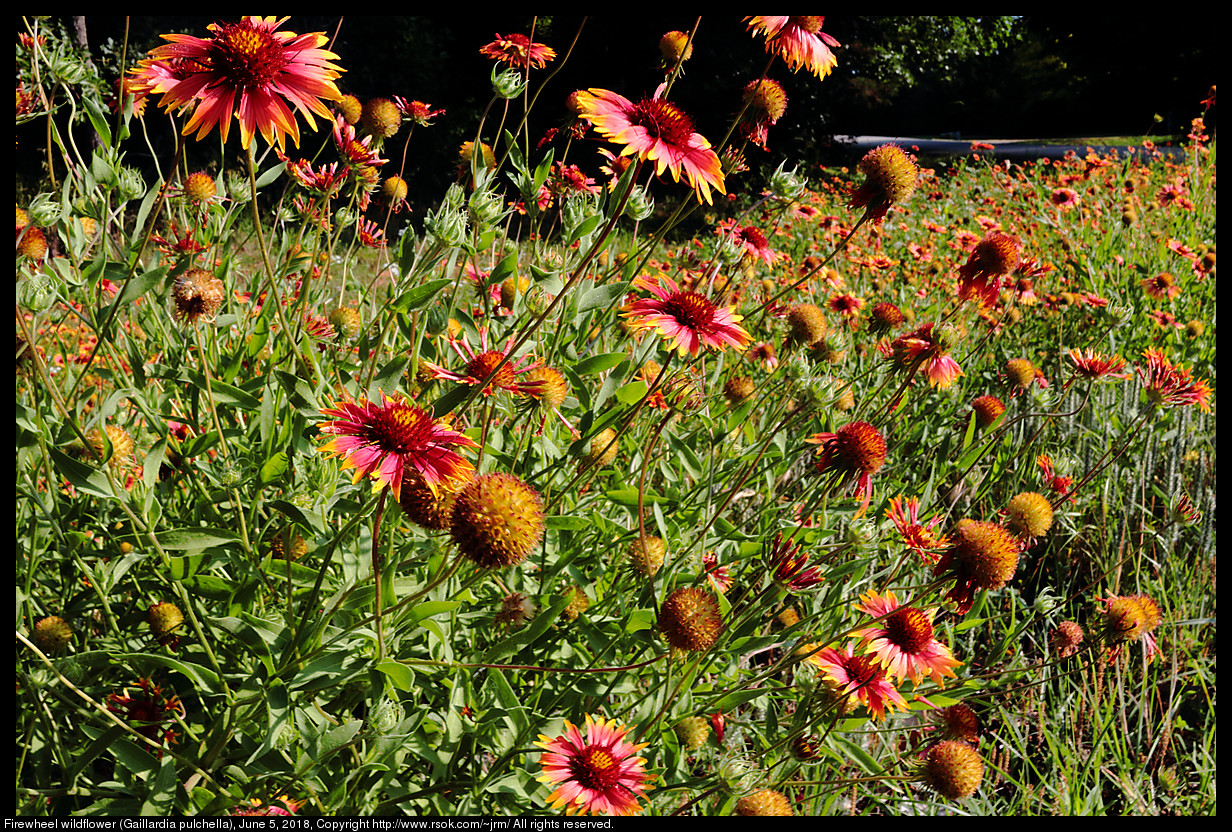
{"points": [[959, 722], [546, 386], [1124, 619], [739, 389], [808, 324], [351, 108], [382, 118], [196, 295], [885, 317], [497, 520], [1029, 515], [952, 769], [121, 444], [1065, 638], [647, 559], [1020, 372], [602, 450], [766, 100], [164, 620], [33, 244], [200, 188], [860, 447], [693, 731], [988, 409], [52, 634], [690, 619], [987, 552], [346, 321], [516, 610], [675, 47], [394, 189], [765, 802], [579, 602]]}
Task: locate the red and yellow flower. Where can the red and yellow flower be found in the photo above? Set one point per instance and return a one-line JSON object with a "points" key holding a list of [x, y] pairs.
{"points": [[599, 773]]}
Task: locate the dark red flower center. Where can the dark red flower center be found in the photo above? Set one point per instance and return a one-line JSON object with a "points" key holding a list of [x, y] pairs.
{"points": [[860, 447], [400, 428], [246, 56], [595, 768], [809, 23], [909, 629], [483, 364], [863, 671], [663, 121], [753, 237], [692, 310]]}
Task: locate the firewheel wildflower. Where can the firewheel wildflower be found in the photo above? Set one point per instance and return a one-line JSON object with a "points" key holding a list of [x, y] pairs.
{"points": [[1168, 384], [798, 40], [1161, 287], [387, 441], [1127, 618], [658, 131], [599, 773], [918, 537], [993, 258], [1090, 365], [860, 679], [903, 641], [891, 179], [479, 365], [248, 69], [929, 349], [789, 565], [855, 452], [518, 52], [764, 104], [982, 556], [688, 320]]}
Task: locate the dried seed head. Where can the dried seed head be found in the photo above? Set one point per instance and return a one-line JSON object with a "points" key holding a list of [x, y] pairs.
{"points": [[1029, 515], [1065, 638], [602, 450], [52, 634], [646, 560], [497, 520], [765, 802], [164, 621], [693, 731], [196, 295], [952, 769], [579, 602], [808, 324], [382, 118], [690, 619]]}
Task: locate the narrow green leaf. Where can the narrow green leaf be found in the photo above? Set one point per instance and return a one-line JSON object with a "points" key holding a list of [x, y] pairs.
{"points": [[598, 363], [196, 538], [420, 295]]}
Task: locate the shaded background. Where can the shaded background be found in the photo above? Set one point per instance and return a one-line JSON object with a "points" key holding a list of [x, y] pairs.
{"points": [[1077, 75]]}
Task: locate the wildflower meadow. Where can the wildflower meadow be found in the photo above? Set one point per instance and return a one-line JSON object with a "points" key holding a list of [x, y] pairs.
{"points": [[628, 478]]}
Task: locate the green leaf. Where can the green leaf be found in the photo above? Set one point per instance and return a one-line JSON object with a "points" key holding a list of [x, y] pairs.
{"points": [[427, 609], [631, 392], [99, 119], [561, 521], [602, 297], [274, 468], [202, 678], [401, 675], [419, 296], [598, 363], [628, 497], [186, 567], [270, 175], [192, 538], [81, 476]]}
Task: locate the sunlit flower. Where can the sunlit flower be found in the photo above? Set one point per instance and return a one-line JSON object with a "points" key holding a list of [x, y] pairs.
{"points": [[599, 773], [860, 678], [384, 441], [1161, 287], [479, 365], [655, 130], [903, 640], [1129, 618], [718, 576], [994, 257], [855, 452], [248, 69], [688, 320], [518, 51], [1057, 483], [1168, 384], [1091, 365], [982, 556], [890, 179], [924, 348], [764, 104], [918, 537], [1064, 198], [789, 565], [752, 244], [799, 41], [417, 111]]}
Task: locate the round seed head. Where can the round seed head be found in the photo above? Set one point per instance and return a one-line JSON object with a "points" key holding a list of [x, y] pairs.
{"points": [[497, 520], [690, 619]]}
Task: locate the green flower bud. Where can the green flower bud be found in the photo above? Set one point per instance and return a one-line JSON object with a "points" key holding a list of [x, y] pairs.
{"points": [[508, 84]]}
